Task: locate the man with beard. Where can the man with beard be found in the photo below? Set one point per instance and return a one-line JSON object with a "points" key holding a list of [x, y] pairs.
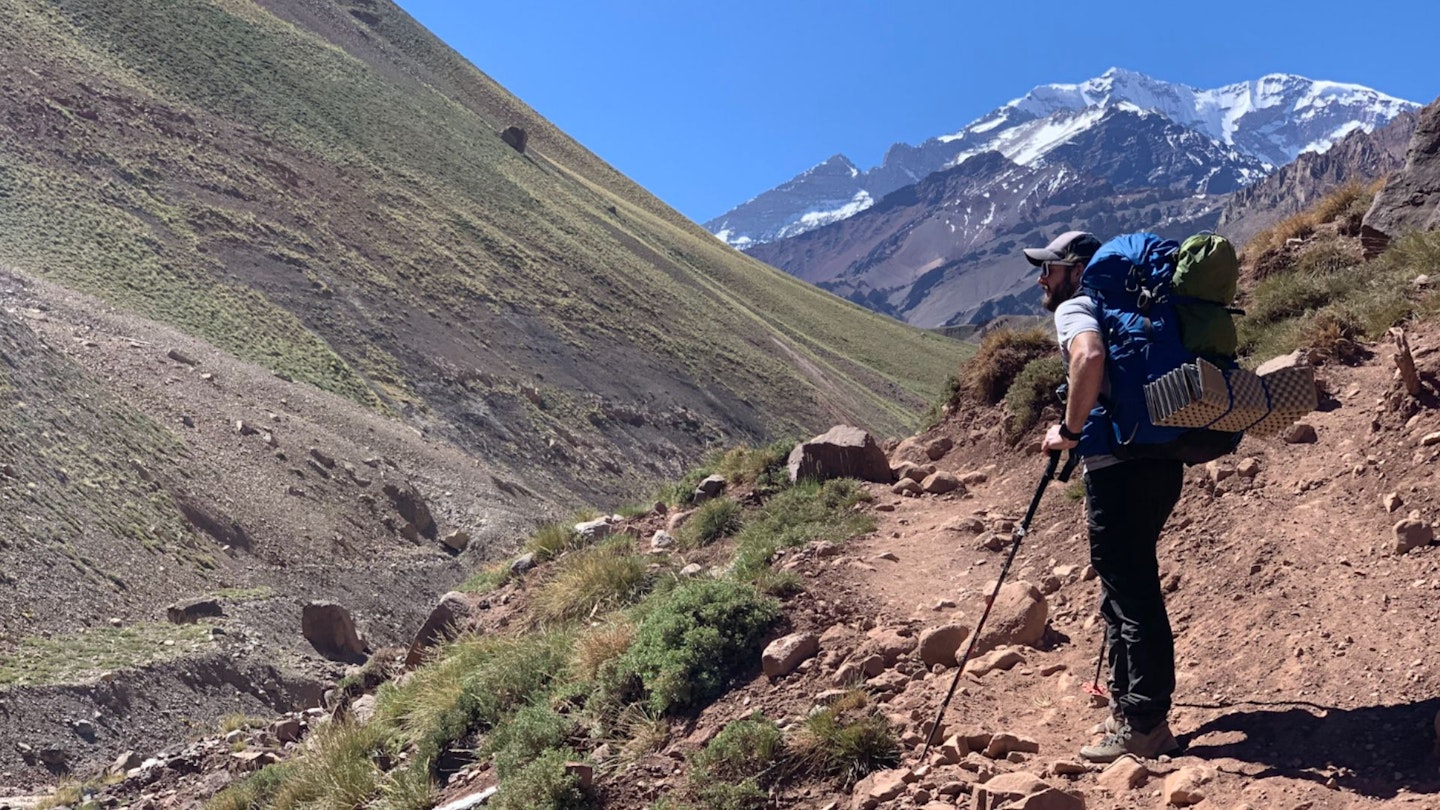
{"points": [[1126, 505]]}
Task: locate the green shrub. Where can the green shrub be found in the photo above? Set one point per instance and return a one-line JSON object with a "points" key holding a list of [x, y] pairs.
{"points": [[846, 740], [690, 642], [734, 769], [524, 736], [764, 467], [987, 375], [716, 518], [592, 582], [543, 784], [1033, 389]]}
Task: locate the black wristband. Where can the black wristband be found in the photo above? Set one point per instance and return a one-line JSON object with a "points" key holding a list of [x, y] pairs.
{"points": [[1067, 434]]}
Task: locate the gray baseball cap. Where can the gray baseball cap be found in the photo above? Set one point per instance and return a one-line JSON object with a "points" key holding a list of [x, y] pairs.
{"points": [[1071, 246]]}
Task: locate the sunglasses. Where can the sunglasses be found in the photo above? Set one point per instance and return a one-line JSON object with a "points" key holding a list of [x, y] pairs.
{"points": [[1046, 267]]}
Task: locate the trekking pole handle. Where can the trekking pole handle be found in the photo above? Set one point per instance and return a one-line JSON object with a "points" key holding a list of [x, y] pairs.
{"points": [[1071, 461]]}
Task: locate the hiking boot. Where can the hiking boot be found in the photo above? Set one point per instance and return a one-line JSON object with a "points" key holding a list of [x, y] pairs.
{"points": [[1125, 740], [1110, 724]]}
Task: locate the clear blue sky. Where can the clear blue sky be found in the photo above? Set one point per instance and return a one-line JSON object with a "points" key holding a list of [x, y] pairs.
{"points": [[709, 104]]}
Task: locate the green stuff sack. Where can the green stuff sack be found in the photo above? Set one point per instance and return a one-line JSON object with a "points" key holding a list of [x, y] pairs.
{"points": [[1207, 276]]}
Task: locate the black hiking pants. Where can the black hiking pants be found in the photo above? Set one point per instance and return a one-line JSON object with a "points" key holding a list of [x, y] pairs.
{"points": [[1127, 505]]}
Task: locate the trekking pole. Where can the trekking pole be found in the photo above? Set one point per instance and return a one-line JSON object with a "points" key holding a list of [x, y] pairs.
{"points": [[1095, 688], [1004, 569]]}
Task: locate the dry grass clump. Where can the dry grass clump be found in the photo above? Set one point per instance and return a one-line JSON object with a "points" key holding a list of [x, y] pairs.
{"points": [[846, 740], [592, 582], [1347, 204], [601, 645], [1002, 355]]}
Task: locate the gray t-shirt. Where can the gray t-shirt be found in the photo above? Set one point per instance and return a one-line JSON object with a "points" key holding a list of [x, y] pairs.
{"points": [[1073, 317]]}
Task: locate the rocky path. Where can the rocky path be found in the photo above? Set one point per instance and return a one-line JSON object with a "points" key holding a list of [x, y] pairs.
{"points": [[1304, 640]]}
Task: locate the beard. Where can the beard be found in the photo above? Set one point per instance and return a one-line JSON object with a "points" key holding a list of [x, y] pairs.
{"points": [[1057, 295]]}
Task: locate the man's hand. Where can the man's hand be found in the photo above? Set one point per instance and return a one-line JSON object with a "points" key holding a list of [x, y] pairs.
{"points": [[1054, 441]]}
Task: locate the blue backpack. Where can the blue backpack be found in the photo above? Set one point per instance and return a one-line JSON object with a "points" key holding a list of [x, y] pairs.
{"points": [[1132, 281]]}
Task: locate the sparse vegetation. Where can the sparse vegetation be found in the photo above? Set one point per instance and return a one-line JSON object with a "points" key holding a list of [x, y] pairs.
{"points": [[734, 770], [533, 701], [1033, 389], [1002, 355], [38, 661], [552, 539], [1327, 300]]}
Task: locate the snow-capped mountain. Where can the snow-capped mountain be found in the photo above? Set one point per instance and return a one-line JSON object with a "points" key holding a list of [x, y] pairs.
{"points": [[1206, 141]]}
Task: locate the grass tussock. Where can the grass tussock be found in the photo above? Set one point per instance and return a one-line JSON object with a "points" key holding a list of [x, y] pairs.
{"points": [[592, 582], [542, 784], [1002, 355], [1346, 204], [735, 770], [763, 468], [1033, 389], [551, 540], [600, 645], [846, 741], [715, 519]]}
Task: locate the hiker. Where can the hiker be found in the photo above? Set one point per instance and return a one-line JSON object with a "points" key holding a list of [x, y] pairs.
{"points": [[1126, 504]]}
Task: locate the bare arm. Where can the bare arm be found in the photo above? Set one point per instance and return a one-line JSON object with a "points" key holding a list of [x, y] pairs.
{"points": [[1086, 374]]}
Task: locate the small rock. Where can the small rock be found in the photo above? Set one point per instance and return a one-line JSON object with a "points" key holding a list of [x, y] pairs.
{"points": [[784, 654], [457, 541], [940, 483], [990, 541], [1183, 787], [1412, 533], [1430, 439], [662, 540], [287, 730], [998, 660], [888, 556], [1301, 433], [180, 357], [1392, 501], [938, 645], [523, 563], [908, 487], [691, 570], [1248, 467], [593, 531], [1124, 774], [709, 488]]}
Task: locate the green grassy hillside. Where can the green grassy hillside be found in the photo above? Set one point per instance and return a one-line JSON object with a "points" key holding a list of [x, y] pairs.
{"points": [[319, 187]]}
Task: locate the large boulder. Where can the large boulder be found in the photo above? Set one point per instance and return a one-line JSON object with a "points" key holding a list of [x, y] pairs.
{"points": [[441, 625], [1410, 200], [331, 631], [841, 452], [413, 509], [1017, 617]]}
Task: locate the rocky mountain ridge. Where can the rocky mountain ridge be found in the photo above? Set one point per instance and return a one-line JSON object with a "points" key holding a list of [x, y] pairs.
{"points": [[1240, 131]]}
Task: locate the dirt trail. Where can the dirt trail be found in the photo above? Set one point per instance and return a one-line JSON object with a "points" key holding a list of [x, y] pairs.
{"points": [[1303, 643]]}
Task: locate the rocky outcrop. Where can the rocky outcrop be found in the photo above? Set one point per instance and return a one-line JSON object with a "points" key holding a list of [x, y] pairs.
{"points": [[1360, 157], [331, 631], [841, 452], [1410, 200], [515, 137]]}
